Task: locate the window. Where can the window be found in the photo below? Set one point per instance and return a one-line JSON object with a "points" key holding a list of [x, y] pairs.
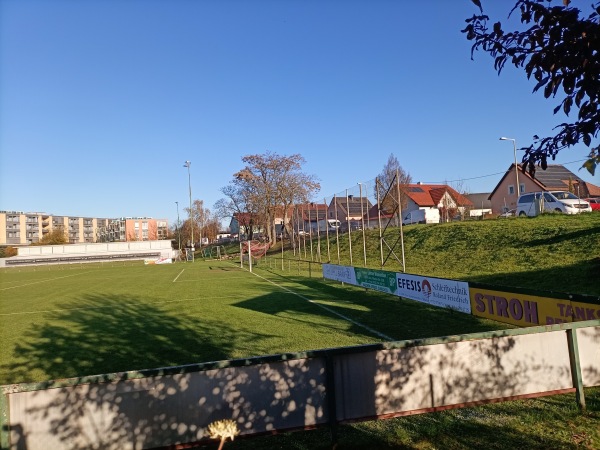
{"points": [[511, 189], [522, 188]]}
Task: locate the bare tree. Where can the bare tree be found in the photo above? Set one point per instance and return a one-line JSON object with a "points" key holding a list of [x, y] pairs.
{"points": [[201, 216], [237, 203], [386, 177], [270, 181]]}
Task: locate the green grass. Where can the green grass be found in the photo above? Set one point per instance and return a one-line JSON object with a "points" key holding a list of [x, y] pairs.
{"points": [[551, 252], [70, 321], [65, 321], [536, 424]]}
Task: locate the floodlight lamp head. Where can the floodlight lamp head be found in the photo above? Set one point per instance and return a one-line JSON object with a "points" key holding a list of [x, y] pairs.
{"points": [[506, 139]]}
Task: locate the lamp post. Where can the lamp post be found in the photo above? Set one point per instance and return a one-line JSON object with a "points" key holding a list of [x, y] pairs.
{"points": [[188, 164], [177, 227], [516, 167]]}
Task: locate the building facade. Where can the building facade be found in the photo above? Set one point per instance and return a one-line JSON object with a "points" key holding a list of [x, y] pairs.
{"points": [[26, 228]]}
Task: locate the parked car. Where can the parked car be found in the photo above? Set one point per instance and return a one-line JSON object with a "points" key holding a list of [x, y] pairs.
{"points": [[534, 203], [508, 213], [431, 215], [594, 203]]}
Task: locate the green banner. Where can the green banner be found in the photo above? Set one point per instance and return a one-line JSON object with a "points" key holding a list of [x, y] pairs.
{"points": [[376, 279]]}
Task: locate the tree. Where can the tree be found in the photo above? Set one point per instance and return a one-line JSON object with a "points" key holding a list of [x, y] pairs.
{"points": [[202, 222], [236, 203], [270, 181], [561, 51], [57, 236], [386, 177]]}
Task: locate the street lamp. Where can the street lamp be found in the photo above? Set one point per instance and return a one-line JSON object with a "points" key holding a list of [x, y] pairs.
{"points": [[188, 164], [516, 167], [177, 227]]}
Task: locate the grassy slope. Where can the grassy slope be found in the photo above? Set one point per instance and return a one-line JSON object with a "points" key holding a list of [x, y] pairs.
{"points": [[550, 252]]}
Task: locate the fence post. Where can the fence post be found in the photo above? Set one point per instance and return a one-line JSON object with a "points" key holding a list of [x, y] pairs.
{"points": [[575, 367], [4, 421], [330, 395]]}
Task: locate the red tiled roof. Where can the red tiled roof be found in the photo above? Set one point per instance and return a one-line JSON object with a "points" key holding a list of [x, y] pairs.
{"points": [[592, 189], [431, 194]]}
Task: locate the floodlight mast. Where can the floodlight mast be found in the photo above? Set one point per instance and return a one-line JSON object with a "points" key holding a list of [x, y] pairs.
{"points": [[516, 167], [178, 231], [188, 164]]}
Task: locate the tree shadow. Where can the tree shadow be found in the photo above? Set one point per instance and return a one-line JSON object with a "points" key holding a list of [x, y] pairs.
{"points": [[112, 334], [561, 237], [154, 407], [393, 316], [171, 406], [584, 275]]}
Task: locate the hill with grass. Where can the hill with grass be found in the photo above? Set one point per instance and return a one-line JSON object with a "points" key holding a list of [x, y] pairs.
{"points": [[551, 252]]}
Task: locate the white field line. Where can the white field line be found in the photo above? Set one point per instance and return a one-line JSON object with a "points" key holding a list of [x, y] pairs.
{"points": [[199, 280], [44, 281], [182, 270], [371, 330], [83, 308], [212, 278]]}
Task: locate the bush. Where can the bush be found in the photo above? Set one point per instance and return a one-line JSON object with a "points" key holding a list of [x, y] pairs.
{"points": [[7, 252]]}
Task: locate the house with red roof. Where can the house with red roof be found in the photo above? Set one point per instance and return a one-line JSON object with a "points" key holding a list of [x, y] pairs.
{"points": [[435, 196]]}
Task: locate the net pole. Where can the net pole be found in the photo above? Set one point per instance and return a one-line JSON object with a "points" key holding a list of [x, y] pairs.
{"points": [[349, 227], [337, 229], [250, 256], [400, 220], [327, 228]]}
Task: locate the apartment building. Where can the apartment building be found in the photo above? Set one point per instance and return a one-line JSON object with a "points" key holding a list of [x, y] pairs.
{"points": [[21, 228], [132, 229]]}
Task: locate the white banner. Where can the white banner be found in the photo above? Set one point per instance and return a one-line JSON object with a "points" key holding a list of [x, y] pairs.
{"points": [[435, 291], [344, 274]]}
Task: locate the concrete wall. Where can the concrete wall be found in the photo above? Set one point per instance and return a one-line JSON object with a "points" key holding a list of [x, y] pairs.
{"points": [[105, 247], [174, 406]]}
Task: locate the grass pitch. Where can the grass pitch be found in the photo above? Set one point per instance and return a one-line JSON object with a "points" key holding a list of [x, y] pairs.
{"points": [[70, 321]]}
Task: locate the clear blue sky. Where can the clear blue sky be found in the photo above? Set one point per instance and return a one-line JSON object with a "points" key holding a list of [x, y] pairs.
{"points": [[101, 102]]}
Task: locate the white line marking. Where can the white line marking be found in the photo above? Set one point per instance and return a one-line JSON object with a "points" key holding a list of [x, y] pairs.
{"points": [[178, 275], [44, 281], [328, 309]]}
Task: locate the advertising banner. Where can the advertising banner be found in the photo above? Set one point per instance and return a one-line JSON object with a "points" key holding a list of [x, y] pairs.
{"points": [[379, 280], [529, 310], [344, 274], [435, 291], [158, 261]]}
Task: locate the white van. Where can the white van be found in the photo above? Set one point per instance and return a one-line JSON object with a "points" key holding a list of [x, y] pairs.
{"points": [[329, 225], [422, 216], [535, 203]]}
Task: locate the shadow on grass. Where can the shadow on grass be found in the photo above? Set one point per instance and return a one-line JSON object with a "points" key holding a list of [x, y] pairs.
{"points": [[104, 335], [393, 316], [584, 275], [107, 335], [570, 237], [538, 424]]}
